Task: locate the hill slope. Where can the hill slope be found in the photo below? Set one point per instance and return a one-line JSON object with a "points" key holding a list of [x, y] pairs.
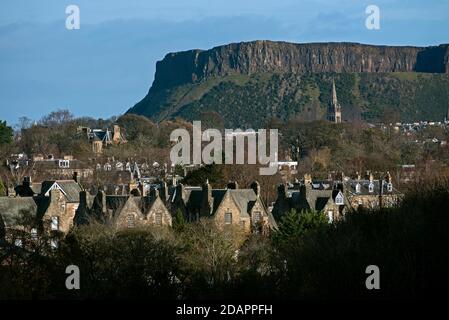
{"points": [[249, 83]]}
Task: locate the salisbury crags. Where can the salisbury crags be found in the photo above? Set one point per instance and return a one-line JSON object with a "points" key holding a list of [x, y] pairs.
{"points": [[249, 83], [281, 57]]}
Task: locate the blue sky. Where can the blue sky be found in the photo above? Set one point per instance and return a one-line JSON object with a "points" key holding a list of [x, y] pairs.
{"points": [[108, 65]]}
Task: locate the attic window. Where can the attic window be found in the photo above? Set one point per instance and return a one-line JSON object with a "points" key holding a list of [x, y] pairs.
{"points": [[54, 243], [54, 223], [371, 188], [18, 242], [390, 187], [330, 216], [64, 163], [339, 200], [257, 217], [130, 221], [33, 234], [158, 219], [228, 218]]}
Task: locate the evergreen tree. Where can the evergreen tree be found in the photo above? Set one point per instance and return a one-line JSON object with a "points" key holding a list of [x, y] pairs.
{"points": [[179, 221]]}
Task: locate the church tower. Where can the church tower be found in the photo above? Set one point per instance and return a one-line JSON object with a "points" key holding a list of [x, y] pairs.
{"points": [[334, 108]]}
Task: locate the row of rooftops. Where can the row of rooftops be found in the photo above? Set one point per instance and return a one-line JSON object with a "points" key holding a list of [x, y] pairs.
{"points": [[356, 186]]}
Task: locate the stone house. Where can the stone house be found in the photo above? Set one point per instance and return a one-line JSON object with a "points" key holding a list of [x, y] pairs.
{"points": [[230, 206], [50, 212], [370, 193], [321, 196], [124, 211], [336, 197]]}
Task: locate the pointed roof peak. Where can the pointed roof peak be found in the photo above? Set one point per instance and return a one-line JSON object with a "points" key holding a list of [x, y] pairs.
{"points": [[334, 92]]}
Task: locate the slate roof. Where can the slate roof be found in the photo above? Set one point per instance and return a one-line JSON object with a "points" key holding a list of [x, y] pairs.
{"points": [[350, 187], [70, 188], [13, 209]]}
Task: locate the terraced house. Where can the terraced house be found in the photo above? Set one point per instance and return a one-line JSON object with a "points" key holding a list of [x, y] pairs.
{"points": [[49, 208], [229, 206], [335, 197], [123, 212]]}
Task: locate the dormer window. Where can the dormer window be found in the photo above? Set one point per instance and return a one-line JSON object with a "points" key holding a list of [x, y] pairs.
{"points": [[64, 163], [339, 200], [371, 187], [358, 188], [390, 187]]}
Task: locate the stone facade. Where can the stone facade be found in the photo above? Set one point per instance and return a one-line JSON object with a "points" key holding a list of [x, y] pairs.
{"points": [[230, 206], [122, 212], [336, 197]]}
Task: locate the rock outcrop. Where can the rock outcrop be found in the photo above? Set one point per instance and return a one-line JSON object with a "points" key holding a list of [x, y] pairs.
{"points": [[282, 57]]}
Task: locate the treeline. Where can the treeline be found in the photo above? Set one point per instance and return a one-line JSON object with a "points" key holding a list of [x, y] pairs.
{"points": [[305, 258]]}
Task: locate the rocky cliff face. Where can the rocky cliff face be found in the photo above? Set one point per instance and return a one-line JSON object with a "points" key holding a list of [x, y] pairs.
{"points": [[281, 57], [249, 83]]}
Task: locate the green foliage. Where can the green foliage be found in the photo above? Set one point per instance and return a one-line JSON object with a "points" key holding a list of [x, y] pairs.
{"points": [[6, 133], [307, 258], [295, 225], [2, 188], [252, 102], [179, 222], [211, 172]]}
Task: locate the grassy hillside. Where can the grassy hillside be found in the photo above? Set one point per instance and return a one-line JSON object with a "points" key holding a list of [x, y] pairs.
{"points": [[251, 101]]}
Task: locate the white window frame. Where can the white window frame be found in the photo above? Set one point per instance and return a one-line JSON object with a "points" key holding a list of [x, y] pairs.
{"points": [[226, 215], [130, 221], [371, 188], [18, 242], [158, 219], [330, 216], [358, 188], [33, 233], [54, 243], [55, 223], [339, 196], [257, 217], [390, 187]]}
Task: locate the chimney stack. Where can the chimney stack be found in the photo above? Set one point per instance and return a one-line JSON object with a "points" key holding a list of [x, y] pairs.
{"points": [[27, 181], [256, 187], [233, 185]]}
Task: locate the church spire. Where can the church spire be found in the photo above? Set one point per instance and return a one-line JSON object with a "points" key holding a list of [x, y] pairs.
{"points": [[334, 93], [334, 108]]}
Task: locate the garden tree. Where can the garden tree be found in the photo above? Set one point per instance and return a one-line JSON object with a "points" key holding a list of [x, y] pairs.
{"points": [[179, 222], [295, 225], [209, 256], [57, 118], [35, 140], [24, 123], [126, 264], [211, 172], [6, 134], [136, 127]]}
